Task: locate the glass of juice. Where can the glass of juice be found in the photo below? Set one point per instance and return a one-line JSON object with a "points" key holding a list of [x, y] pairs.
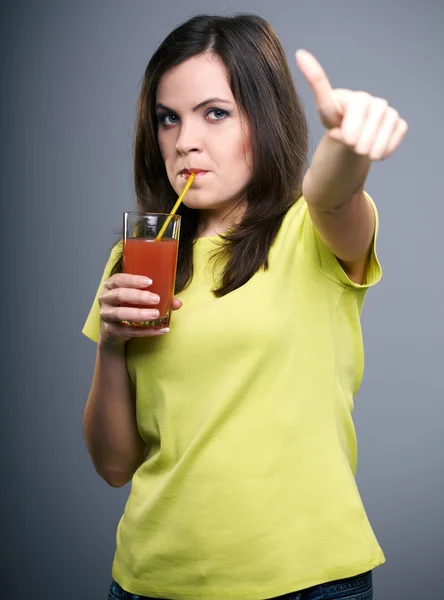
{"points": [[156, 259]]}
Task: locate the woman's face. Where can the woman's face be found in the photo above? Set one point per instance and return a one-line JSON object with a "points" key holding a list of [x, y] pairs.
{"points": [[201, 127]]}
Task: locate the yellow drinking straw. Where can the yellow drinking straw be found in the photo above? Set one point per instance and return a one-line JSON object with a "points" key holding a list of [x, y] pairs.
{"points": [[176, 206]]}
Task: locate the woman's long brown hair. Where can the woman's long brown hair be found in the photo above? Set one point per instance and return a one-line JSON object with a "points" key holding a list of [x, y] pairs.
{"points": [[263, 89]]}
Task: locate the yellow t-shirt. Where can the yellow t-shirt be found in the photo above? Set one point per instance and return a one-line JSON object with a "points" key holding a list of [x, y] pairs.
{"points": [[248, 491]]}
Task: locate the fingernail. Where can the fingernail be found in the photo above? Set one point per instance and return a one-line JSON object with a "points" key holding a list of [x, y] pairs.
{"points": [[165, 330], [145, 281]]}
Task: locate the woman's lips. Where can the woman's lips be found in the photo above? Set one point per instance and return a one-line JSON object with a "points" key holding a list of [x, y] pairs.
{"points": [[198, 175]]}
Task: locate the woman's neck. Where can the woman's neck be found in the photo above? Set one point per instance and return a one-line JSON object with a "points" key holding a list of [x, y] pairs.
{"points": [[215, 222]]}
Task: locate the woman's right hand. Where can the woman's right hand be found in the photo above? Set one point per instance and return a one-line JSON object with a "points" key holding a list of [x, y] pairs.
{"points": [[117, 292]]}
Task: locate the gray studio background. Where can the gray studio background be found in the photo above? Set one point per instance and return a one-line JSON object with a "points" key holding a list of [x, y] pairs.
{"points": [[70, 74]]}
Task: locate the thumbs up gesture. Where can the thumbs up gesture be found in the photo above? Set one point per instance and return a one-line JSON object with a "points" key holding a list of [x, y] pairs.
{"points": [[365, 124]]}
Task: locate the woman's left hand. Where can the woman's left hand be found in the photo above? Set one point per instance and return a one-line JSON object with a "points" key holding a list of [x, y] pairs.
{"points": [[366, 125]]}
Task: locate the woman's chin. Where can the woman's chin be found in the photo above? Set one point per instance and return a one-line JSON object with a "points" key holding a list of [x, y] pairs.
{"points": [[196, 201], [196, 205]]}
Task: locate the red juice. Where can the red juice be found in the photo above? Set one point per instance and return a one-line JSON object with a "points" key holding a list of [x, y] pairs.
{"points": [[156, 259]]}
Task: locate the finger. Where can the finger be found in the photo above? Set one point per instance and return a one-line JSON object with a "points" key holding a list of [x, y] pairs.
{"points": [[121, 296], [127, 280], [335, 134], [376, 113], [148, 331], [355, 118], [343, 98], [320, 86], [386, 130], [117, 314], [397, 137], [176, 304], [125, 332], [143, 331]]}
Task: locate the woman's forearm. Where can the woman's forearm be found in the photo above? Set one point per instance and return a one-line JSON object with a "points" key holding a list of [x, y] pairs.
{"points": [[109, 422], [335, 175]]}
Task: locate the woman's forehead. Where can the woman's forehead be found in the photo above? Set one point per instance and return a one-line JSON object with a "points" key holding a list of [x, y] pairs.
{"points": [[196, 79]]}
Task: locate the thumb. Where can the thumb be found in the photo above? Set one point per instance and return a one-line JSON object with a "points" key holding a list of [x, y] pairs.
{"points": [[335, 134], [176, 304], [328, 107]]}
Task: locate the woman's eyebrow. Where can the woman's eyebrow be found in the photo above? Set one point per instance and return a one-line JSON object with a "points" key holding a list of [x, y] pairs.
{"points": [[198, 106]]}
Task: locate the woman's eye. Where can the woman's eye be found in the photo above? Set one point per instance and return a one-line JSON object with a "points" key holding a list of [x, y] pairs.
{"points": [[169, 119], [164, 119], [218, 113]]}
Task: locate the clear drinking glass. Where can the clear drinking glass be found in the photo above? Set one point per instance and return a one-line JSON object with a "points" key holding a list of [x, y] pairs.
{"points": [[156, 259]]}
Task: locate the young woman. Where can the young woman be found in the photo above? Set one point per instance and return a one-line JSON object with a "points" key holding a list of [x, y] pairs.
{"points": [[235, 426]]}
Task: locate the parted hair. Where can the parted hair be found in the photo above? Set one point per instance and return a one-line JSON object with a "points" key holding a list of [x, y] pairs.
{"points": [[263, 88]]}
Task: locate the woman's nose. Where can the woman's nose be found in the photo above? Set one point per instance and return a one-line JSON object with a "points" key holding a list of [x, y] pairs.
{"points": [[186, 149], [188, 140]]}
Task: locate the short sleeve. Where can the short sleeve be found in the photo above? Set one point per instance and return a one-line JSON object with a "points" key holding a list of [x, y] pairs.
{"points": [[92, 323], [325, 261]]}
